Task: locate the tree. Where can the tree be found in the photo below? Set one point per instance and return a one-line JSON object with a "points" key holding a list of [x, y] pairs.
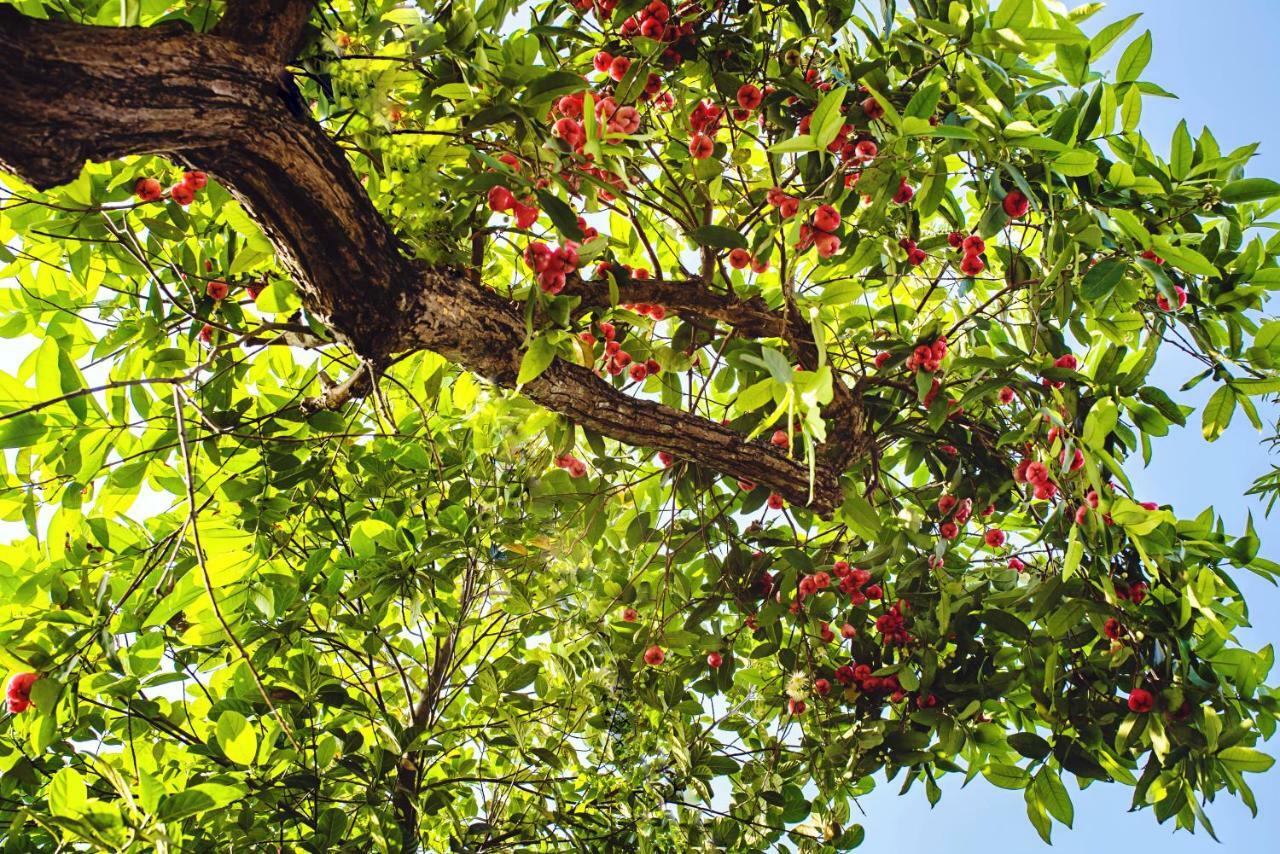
{"points": [[607, 426]]}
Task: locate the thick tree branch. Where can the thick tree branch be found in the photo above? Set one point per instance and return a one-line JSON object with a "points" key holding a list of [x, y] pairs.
{"points": [[275, 28], [223, 103], [751, 317]]}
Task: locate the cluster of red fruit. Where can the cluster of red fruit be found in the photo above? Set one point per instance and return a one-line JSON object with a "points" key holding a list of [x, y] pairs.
{"points": [[1036, 474], [655, 21], [786, 204], [616, 360], [892, 625], [855, 583], [18, 692], [183, 192], [959, 512], [502, 200], [820, 232], [1066, 361], [925, 357], [552, 265], [915, 255], [571, 464], [740, 259], [972, 247]]}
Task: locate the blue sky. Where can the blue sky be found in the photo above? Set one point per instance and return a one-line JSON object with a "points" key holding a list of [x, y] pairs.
{"points": [[1220, 59]]}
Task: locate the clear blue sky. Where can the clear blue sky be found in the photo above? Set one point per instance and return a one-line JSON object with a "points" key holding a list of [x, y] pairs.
{"points": [[1220, 58]]}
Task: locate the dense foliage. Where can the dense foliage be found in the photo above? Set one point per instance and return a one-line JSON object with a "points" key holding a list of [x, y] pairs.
{"points": [[436, 616]]}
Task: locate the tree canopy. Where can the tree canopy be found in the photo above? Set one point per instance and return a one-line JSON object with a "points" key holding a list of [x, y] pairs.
{"points": [[609, 425]]}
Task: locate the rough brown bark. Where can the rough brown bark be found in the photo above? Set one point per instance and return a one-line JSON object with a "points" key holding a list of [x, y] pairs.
{"points": [[223, 102]]}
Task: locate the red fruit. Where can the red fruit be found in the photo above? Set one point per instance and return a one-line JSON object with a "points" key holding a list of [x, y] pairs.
{"points": [[666, 459], [775, 501], [206, 334], [973, 245], [948, 530], [1037, 472], [652, 367], [1113, 629], [607, 330], [796, 707], [526, 215], [638, 371], [1016, 204], [788, 207], [946, 504], [182, 194], [847, 631], [652, 29], [956, 239], [217, 289], [587, 338], [860, 576], [653, 656], [882, 357], [1138, 592], [570, 131], [501, 199], [826, 218], [577, 468], [1163, 301], [739, 259], [1141, 701], [994, 538], [701, 146], [874, 593], [865, 150], [18, 692], [602, 61], [618, 68], [745, 485], [828, 244], [905, 193], [622, 358], [1016, 565], [822, 687], [780, 438], [195, 179], [1148, 505], [1067, 361], [759, 265], [1006, 395], [749, 96], [873, 109], [916, 257], [714, 659], [972, 265], [808, 586], [148, 189]]}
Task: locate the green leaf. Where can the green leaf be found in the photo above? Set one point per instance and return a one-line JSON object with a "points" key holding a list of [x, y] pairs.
{"points": [[197, 799], [800, 142], [236, 737], [1134, 59], [860, 516], [827, 118], [1013, 14], [1218, 411], [1246, 759], [1006, 776], [1076, 163], [68, 794], [1249, 190], [22, 431], [1183, 257], [1053, 795], [1030, 745], [537, 358], [561, 215], [1110, 34], [718, 237], [1180, 151], [550, 86], [1101, 280]]}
